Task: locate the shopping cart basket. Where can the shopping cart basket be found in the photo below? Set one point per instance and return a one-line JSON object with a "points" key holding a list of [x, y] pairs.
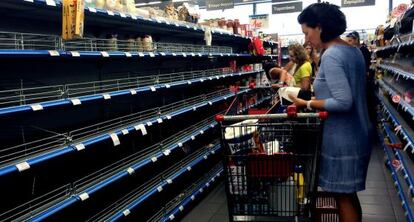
{"points": [[271, 164]]}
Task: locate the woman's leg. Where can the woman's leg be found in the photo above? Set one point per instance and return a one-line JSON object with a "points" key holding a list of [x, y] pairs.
{"points": [[349, 207]]}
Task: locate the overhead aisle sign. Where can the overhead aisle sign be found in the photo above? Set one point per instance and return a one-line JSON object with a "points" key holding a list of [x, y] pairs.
{"points": [[354, 3], [219, 4], [286, 7]]}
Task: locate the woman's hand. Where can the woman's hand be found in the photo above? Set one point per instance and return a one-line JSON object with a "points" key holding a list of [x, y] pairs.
{"points": [[297, 101]]}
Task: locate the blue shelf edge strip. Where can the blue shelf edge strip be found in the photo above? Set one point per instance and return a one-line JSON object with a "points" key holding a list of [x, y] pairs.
{"points": [[406, 136], [171, 214], [136, 166], [10, 168], [397, 183], [398, 72], [406, 107], [158, 22], [88, 98], [76, 198], [407, 176]]}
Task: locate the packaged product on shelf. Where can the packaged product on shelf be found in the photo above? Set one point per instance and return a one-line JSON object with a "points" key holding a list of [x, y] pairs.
{"points": [[90, 3], [236, 27], [147, 43], [208, 37], [230, 26], [100, 4], [72, 19], [130, 44], [139, 45], [112, 43], [171, 12]]}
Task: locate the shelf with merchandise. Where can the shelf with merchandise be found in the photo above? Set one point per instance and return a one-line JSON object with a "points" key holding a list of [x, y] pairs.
{"points": [[51, 10], [397, 70], [87, 187], [401, 127], [396, 93], [23, 45], [397, 181], [173, 208], [23, 99], [400, 44]]}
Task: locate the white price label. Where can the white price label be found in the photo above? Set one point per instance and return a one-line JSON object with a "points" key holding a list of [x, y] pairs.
{"points": [[115, 139], [110, 12], [199, 54], [167, 22], [126, 212], [36, 107], [189, 168], [153, 88], [181, 208], [187, 26], [22, 166], [192, 54], [133, 17], [194, 108], [213, 152], [159, 188], [51, 2], [192, 197], [162, 53], [75, 102], [166, 152], [217, 77], [169, 181], [207, 184], [75, 54], [149, 123], [189, 82], [167, 86], [168, 116], [154, 159], [210, 78], [171, 217], [122, 15], [133, 91], [195, 28], [210, 103], [192, 137], [125, 131], [201, 132], [151, 54], [79, 147], [176, 24], [28, 0], [174, 54], [212, 126], [201, 80], [228, 54], [159, 120], [84, 196], [205, 157], [142, 128], [128, 54], [130, 171], [104, 54], [106, 96], [184, 54], [221, 54], [92, 9], [201, 190], [140, 54], [53, 53], [180, 144]]}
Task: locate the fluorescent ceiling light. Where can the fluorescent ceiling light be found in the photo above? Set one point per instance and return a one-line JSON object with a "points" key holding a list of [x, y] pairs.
{"points": [[149, 3]]}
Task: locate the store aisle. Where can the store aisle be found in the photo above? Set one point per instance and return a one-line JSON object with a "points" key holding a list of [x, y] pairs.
{"points": [[379, 201]]}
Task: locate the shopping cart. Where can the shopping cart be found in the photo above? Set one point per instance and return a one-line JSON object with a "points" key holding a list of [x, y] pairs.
{"points": [[271, 164]]}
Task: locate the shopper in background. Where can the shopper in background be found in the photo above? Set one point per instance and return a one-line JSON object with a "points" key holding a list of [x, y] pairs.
{"points": [[340, 89], [303, 68], [353, 39], [313, 58]]}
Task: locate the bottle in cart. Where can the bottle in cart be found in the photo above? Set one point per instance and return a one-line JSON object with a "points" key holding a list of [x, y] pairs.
{"points": [[300, 183]]}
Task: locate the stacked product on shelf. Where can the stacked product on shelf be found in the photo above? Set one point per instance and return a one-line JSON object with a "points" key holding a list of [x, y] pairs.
{"points": [[395, 78], [118, 124]]}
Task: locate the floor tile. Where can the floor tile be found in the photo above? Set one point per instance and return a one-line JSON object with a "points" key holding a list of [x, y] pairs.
{"points": [[378, 218], [219, 218], [378, 209]]}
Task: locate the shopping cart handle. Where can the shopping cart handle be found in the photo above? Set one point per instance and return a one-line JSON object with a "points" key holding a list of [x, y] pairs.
{"points": [[291, 111], [323, 115], [220, 118]]}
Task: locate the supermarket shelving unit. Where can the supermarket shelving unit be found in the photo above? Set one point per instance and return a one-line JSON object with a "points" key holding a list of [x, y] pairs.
{"points": [[95, 129]]}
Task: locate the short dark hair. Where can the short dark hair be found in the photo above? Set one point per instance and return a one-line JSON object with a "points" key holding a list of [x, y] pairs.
{"points": [[354, 35], [331, 20]]}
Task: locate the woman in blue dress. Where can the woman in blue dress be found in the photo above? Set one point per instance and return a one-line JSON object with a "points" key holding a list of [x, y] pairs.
{"points": [[340, 89]]}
